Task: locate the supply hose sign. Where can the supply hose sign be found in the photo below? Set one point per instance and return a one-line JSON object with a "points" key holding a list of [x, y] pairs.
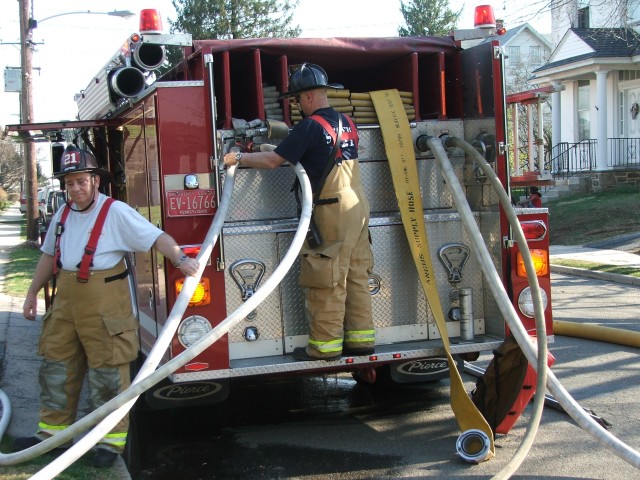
{"points": [[188, 203]]}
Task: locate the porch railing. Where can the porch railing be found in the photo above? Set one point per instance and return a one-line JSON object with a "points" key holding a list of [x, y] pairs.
{"points": [[623, 152], [567, 159]]}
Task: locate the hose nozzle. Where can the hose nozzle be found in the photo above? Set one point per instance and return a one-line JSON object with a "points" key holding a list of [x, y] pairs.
{"points": [[474, 446]]}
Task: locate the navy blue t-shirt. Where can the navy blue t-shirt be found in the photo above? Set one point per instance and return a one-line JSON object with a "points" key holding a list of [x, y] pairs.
{"points": [[310, 145]]}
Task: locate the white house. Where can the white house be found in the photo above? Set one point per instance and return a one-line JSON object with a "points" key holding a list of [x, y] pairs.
{"points": [[596, 126], [525, 50]]}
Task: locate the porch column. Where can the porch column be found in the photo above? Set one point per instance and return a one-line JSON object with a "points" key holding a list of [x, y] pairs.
{"points": [[601, 134], [556, 121], [516, 143], [540, 139]]}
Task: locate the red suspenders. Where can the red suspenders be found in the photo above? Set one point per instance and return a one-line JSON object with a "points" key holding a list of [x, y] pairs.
{"points": [[90, 249], [352, 135]]}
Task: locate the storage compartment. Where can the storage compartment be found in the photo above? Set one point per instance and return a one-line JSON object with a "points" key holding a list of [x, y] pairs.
{"points": [[426, 69]]}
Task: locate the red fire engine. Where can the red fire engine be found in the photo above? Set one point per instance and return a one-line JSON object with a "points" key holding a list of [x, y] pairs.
{"points": [[162, 139]]}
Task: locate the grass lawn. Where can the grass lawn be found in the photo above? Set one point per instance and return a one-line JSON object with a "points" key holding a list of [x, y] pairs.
{"points": [[598, 267], [585, 218], [19, 271]]}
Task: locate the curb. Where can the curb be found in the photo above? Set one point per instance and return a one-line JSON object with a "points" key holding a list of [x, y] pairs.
{"points": [[605, 276]]}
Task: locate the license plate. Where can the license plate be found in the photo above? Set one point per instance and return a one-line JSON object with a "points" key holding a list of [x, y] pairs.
{"points": [[187, 203]]}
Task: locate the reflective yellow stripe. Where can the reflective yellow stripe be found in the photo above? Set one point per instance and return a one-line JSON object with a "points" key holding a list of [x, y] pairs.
{"points": [[359, 336], [45, 427], [115, 439], [398, 144], [330, 346]]}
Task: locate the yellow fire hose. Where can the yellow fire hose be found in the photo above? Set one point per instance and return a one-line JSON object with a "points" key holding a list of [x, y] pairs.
{"points": [[402, 162], [599, 333]]}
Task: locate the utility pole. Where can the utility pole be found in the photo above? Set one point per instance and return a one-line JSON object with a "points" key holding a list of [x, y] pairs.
{"points": [[26, 116]]}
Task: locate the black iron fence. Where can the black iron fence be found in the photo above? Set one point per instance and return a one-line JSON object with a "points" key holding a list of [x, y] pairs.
{"points": [[568, 158], [623, 152]]}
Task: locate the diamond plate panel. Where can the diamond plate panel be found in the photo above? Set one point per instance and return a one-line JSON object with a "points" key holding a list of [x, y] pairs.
{"points": [[260, 246], [261, 225], [400, 300], [266, 194], [262, 195]]}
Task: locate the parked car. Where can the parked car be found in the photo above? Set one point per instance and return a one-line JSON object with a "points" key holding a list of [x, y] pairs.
{"points": [[45, 202], [23, 202], [56, 200]]}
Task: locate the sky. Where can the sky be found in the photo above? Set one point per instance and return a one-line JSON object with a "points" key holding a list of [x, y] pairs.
{"points": [[71, 49]]}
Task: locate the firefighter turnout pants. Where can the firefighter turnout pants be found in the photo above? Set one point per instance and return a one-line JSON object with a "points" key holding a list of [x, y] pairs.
{"points": [[90, 329], [335, 276]]}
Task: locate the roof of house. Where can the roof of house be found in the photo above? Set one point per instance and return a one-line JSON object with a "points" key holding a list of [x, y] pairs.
{"points": [[513, 33], [603, 42]]}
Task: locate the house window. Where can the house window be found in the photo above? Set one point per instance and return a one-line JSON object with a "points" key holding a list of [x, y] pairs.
{"points": [[584, 114], [514, 56], [535, 55], [583, 17]]}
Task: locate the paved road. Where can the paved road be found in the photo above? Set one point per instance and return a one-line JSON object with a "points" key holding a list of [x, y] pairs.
{"points": [[330, 427]]}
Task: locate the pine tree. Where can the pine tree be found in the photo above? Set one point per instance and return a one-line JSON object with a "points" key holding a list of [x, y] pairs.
{"points": [[226, 19], [427, 18]]}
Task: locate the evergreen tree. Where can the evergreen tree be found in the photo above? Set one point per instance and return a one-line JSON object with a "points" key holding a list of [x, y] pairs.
{"points": [[226, 19], [427, 18]]}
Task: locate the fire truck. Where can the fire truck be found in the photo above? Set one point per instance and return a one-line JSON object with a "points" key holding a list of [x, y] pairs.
{"points": [[163, 137]]}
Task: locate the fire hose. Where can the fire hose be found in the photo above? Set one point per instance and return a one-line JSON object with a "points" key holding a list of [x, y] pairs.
{"points": [[111, 412], [582, 418]]}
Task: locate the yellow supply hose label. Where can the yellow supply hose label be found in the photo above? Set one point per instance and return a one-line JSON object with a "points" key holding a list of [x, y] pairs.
{"points": [[398, 143]]}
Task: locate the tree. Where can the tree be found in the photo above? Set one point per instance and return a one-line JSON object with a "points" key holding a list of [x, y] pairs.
{"points": [[427, 18], [11, 167], [225, 19]]}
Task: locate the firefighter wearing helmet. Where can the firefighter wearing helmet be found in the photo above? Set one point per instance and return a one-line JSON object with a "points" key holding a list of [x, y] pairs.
{"points": [[334, 274], [90, 329]]}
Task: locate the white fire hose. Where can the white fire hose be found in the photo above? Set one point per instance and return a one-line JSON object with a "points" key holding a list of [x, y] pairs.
{"points": [[504, 303], [117, 408]]}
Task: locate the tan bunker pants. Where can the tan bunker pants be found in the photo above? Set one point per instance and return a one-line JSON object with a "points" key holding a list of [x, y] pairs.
{"points": [[89, 329], [335, 276]]}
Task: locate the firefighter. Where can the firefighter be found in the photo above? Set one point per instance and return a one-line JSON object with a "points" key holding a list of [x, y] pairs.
{"points": [[335, 274], [90, 328]]}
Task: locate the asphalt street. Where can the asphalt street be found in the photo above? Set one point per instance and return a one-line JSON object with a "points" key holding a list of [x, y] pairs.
{"points": [[602, 377]]}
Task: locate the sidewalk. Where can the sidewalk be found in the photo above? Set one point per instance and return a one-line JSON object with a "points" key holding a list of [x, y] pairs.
{"points": [[596, 255], [19, 363]]}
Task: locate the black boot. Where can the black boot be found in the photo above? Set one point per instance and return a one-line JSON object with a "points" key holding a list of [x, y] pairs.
{"points": [[22, 443], [103, 458]]}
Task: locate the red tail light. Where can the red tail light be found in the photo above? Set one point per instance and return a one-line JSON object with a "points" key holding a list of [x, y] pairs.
{"points": [[150, 21], [534, 229]]}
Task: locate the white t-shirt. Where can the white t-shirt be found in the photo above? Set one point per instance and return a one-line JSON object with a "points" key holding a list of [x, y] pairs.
{"points": [[124, 230]]}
